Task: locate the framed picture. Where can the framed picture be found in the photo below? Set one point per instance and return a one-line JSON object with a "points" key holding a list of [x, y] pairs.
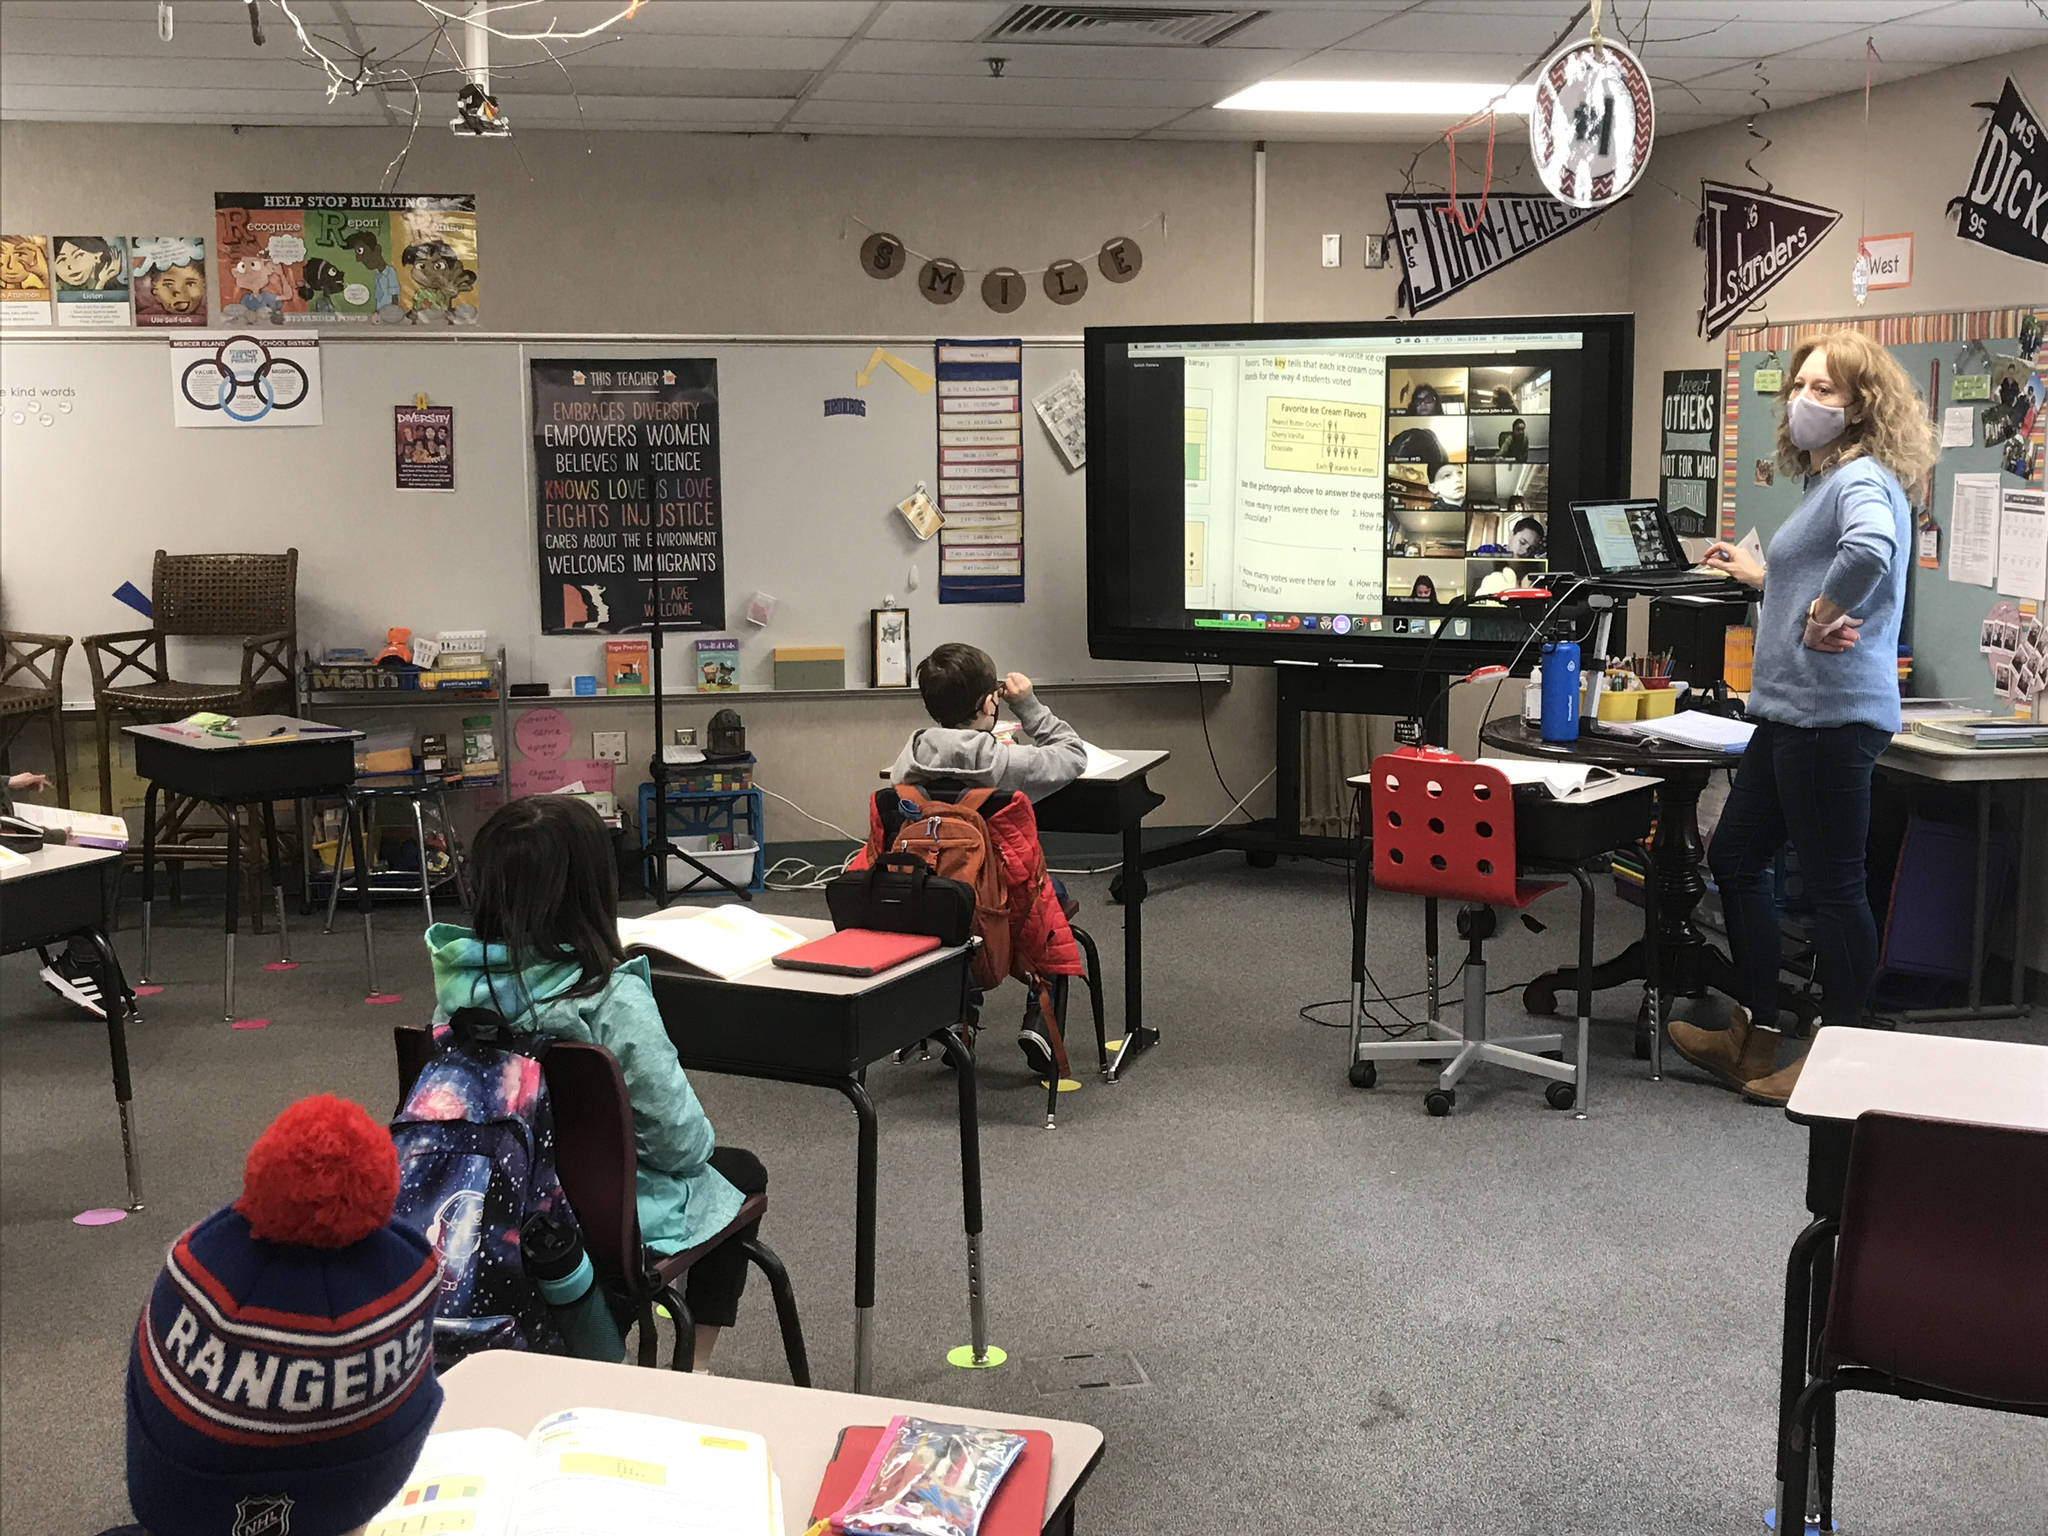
{"points": [[891, 649]]}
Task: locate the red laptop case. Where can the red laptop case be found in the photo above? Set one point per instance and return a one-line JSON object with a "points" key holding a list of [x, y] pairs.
{"points": [[1018, 1509], [857, 952]]}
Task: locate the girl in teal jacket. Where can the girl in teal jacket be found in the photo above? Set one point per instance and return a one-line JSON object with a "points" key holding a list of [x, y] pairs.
{"points": [[545, 955]]}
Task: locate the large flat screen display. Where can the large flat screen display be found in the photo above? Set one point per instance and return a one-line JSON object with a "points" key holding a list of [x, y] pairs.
{"points": [[1262, 492]]}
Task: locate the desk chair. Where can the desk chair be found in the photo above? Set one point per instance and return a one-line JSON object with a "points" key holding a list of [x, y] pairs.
{"points": [[595, 1159], [1442, 827], [1940, 1280], [31, 684]]}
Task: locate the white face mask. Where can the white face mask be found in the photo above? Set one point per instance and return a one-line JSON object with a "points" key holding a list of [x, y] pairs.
{"points": [[1813, 425]]}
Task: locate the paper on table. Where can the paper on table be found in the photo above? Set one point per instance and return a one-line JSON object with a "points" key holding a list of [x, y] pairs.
{"points": [[1099, 762], [469, 1480], [1973, 529], [1958, 426], [2023, 543], [602, 1470]]}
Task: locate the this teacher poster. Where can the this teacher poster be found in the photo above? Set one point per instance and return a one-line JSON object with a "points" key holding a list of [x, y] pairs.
{"points": [[629, 510]]}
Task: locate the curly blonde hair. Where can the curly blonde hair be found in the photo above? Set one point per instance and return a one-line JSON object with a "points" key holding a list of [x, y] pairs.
{"points": [[1887, 418]]}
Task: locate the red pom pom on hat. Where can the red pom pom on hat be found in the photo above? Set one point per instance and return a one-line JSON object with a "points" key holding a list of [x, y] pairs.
{"points": [[323, 1175]]}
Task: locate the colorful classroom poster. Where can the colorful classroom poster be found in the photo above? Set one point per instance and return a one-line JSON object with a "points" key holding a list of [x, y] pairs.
{"points": [[222, 380], [90, 276], [981, 470], [167, 274], [1690, 463], [424, 443], [377, 258], [24, 280], [625, 458]]}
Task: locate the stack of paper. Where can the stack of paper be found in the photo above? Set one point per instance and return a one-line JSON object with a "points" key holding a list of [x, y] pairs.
{"points": [[722, 941], [1698, 728], [589, 1472], [2005, 731], [85, 829]]}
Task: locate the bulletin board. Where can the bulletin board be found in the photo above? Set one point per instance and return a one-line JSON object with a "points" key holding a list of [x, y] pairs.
{"points": [[1944, 618]]}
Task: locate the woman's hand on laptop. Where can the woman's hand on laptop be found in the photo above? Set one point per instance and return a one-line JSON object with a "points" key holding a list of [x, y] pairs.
{"points": [[1733, 560]]}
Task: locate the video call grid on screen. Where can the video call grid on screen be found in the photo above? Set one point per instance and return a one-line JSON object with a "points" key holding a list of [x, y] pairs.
{"points": [[1352, 475]]}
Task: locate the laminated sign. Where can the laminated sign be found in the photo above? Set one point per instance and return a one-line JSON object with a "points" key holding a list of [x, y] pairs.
{"points": [[1753, 238], [2006, 206]]}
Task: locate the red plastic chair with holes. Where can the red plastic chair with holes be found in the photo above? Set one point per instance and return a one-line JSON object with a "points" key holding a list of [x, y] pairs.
{"points": [[1444, 829]]}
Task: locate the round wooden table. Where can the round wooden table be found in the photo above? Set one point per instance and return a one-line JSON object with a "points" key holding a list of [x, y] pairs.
{"points": [[1689, 965]]}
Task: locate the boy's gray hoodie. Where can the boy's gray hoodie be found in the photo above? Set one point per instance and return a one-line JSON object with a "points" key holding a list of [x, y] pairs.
{"points": [[1053, 758]]}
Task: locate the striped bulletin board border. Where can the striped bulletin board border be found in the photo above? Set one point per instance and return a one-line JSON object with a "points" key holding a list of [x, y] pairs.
{"points": [[1959, 325]]}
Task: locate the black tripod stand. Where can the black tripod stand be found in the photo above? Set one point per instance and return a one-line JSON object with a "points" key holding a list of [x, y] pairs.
{"points": [[659, 847]]}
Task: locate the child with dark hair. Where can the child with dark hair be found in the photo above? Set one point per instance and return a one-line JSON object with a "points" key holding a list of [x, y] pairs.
{"points": [[961, 692], [544, 954]]}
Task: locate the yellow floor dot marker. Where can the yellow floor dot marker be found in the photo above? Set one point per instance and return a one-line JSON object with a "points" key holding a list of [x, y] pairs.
{"points": [[963, 1356], [1113, 1045], [1067, 1084]]}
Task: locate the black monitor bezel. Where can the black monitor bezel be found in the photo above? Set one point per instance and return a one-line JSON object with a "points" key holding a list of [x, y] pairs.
{"points": [[1496, 635]]}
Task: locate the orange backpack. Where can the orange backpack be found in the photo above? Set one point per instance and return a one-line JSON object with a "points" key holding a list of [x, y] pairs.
{"points": [[954, 843]]}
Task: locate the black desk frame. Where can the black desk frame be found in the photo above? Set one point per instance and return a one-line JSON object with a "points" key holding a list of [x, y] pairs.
{"points": [[829, 1040], [76, 901]]}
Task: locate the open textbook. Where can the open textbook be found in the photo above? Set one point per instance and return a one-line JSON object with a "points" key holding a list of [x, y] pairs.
{"points": [[719, 941], [588, 1472]]}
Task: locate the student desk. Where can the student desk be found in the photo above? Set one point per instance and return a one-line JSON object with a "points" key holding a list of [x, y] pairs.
{"points": [[1851, 1072], [60, 893], [825, 1030], [229, 772], [1981, 768], [1117, 801], [510, 1389], [1686, 963]]}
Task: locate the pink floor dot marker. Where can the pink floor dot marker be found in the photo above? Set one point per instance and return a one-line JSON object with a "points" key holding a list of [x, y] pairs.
{"points": [[281, 965], [99, 1216], [147, 991], [378, 999], [250, 1024]]}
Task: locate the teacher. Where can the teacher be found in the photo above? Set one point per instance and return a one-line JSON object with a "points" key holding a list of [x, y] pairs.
{"points": [[1825, 696]]}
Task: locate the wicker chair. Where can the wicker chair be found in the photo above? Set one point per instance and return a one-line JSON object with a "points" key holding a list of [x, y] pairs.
{"points": [[31, 684], [253, 596]]}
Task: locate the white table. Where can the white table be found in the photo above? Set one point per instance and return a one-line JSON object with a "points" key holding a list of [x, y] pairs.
{"points": [[511, 1389], [1981, 767]]}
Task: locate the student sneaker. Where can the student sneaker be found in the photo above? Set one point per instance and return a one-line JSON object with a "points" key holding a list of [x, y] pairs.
{"points": [[72, 979], [1037, 1054]]}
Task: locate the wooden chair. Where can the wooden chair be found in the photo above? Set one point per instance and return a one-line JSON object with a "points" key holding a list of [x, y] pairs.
{"points": [[31, 684], [1940, 1279], [596, 1158], [254, 597]]}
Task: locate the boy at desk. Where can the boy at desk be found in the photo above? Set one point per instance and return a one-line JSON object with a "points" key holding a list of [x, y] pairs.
{"points": [[961, 690]]}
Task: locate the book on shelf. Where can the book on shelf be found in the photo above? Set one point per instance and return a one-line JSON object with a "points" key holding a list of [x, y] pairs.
{"points": [[724, 941], [589, 1472], [718, 664], [625, 666]]}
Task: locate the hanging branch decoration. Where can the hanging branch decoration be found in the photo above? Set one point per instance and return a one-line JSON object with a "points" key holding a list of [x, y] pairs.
{"points": [[941, 280], [1593, 121]]}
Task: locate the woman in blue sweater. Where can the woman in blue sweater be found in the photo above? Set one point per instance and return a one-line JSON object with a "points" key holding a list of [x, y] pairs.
{"points": [[1825, 697]]}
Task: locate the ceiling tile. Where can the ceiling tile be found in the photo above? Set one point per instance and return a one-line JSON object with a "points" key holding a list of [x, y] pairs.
{"points": [[939, 114], [1373, 64], [1069, 62], [1474, 28], [939, 21], [696, 18], [1842, 13], [845, 85], [1908, 40]]}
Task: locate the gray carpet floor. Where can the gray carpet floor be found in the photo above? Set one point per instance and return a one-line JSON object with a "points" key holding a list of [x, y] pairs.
{"points": [[1346, 1315]]}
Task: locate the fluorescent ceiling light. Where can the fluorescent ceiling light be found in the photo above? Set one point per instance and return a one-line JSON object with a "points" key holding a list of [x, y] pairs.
{"points": [[1413, 98]]}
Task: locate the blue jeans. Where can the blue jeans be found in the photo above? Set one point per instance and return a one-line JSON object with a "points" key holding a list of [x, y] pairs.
{"points": [[1811, 787]]}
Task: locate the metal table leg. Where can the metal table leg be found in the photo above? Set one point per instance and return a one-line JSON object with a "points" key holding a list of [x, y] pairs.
{"points": [[119, 1004], [234, 908], [961, 1055], [1136, 1036], [419, 832], [341, 843], [149, 805], [360, 849], [866, 1159], [284, 945]]}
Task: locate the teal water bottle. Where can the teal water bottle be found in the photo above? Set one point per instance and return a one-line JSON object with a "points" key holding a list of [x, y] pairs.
{"points": [[552, 1248]]}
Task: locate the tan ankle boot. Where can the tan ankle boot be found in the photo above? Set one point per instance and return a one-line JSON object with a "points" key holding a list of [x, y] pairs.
{"points": [[1776, 1088], [1736, 1056]]}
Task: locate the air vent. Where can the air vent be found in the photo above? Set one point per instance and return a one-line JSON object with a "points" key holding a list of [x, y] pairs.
{"points": [[1165, 26]]}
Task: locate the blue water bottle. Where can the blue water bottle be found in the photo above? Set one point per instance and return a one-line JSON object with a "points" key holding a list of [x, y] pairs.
{"points": [[1561, 691]]}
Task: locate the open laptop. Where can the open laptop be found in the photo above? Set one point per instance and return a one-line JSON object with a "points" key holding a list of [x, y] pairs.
{"points": [[1631, 544]]}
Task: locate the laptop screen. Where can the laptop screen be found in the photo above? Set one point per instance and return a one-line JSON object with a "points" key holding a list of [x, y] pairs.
{"points": [[1627, 536]]}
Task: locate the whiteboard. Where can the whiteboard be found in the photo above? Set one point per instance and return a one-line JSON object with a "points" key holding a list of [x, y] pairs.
{"points": [[809, 500]]}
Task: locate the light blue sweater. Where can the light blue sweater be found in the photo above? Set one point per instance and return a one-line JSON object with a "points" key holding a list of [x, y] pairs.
{"points": [[1847, 542], [683, 1200]]}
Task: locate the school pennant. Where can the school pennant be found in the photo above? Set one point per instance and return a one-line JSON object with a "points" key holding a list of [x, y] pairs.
{"points": [[1439, 256], [1752, 238], [2006, 205]]}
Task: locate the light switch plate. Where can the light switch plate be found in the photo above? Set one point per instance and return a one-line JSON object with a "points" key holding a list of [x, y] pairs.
{"points": [[1333, 250], [608, 746]]}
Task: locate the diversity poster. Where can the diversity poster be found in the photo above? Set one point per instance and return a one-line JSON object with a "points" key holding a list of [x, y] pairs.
{"points": [[167, 274], [375, 258], [424, 441], [24, 280], [91, 280], [220, 380], [981, 471], [1689, 467], [629, 509]]}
